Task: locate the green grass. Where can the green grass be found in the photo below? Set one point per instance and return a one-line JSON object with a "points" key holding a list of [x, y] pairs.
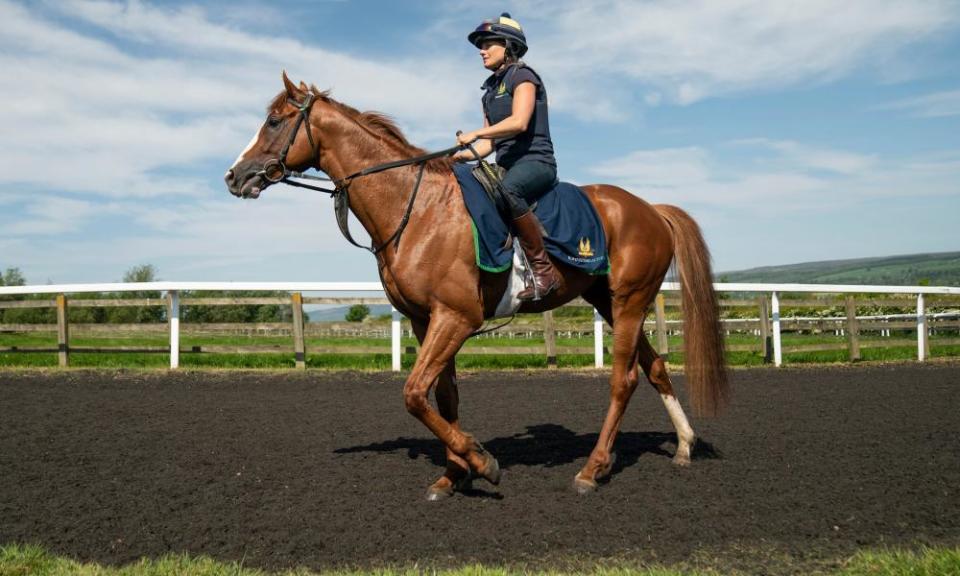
{"points": [[19, 560], [381, 360], [926, 562]]}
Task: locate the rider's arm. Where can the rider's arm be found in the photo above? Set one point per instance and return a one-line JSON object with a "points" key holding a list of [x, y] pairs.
{"points": [[524, 99]]}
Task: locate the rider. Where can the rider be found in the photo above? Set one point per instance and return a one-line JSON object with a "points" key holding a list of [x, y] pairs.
{"points": [[516, 126]]}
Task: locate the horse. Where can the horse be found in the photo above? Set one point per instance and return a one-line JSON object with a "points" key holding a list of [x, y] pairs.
{"points": [[430, 274]]}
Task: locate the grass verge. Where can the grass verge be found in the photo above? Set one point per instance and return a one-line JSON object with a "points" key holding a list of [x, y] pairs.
{"points": [[23, 560]]}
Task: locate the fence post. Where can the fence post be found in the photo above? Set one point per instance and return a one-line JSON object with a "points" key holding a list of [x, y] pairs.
{"points": [[550, 338], [764, 318], [777, 347], [663, 346], [853, 329], [597, 339], [63, 332], [299, 345], [173, 318], [395, 340], [921, 329]]}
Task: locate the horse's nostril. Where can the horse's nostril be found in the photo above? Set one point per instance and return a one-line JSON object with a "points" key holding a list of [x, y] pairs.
{"points": [[229, 177]]}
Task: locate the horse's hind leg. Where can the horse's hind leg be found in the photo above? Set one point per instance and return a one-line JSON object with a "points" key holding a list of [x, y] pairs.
{"points": [[628, 312], [656, 372]]}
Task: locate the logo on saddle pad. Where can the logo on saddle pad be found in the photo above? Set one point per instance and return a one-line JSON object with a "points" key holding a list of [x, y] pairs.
{"points": [[585, 249]]}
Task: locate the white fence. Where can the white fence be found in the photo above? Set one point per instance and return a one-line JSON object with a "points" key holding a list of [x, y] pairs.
{"points": [[173, 290]]}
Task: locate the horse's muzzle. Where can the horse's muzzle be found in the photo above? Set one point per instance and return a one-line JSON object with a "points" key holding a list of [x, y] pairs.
{"points": [[247, 188]]}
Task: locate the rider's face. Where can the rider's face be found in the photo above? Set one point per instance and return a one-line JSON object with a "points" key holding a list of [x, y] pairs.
{"points": [[494, 53]]}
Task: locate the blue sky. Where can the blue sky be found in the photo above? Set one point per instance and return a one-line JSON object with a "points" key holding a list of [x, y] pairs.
{"points": [[792, 131]]}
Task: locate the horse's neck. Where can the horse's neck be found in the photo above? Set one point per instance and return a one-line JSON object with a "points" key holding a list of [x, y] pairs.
{"points": [[378, 200]]}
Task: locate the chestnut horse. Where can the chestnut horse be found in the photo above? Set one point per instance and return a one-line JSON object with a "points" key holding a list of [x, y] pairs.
{"points": [[430, 273]]}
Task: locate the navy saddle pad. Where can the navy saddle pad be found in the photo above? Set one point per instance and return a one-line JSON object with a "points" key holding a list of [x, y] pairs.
{"points": [[574, 232]]}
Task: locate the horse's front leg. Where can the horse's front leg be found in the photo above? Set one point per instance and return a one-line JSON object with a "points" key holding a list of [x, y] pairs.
{"points": [[456, 477], [444, 336]]}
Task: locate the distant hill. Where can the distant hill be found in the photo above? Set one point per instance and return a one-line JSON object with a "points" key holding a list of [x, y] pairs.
{"points": [[340, 313], [941, 269]]}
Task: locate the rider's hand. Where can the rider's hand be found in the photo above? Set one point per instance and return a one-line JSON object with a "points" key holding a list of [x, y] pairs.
{"points": [[466, 138]]}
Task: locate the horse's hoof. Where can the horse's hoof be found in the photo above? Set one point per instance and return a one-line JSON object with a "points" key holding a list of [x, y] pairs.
{"points": [[584, 486], [491, 469], [436, 494], [681, 460]]}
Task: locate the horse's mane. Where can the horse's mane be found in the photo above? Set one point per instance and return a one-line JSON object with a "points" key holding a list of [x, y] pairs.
{"points": [[375, 122]]}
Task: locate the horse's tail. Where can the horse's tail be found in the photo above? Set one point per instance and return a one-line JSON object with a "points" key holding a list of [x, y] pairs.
{"points": [[702, 335]]}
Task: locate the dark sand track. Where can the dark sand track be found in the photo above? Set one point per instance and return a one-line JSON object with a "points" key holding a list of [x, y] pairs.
{"points": [[327, 469]]}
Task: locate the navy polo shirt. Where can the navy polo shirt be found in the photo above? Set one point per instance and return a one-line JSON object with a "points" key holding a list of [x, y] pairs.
{"points": [[533, 144]]}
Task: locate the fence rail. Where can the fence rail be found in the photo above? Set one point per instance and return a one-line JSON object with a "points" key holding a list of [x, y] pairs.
{"points": [[766, 299]]}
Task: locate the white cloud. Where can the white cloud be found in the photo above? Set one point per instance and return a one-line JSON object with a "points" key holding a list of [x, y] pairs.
{"points": [[797, 177], [935, 105], [798, 155], [668, 168], [206, 238], [110, 118], [698, 49], [238, 59], [51, 215]]}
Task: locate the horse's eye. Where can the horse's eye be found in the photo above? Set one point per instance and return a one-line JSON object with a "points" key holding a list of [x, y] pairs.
{"points": [[273, 121]]}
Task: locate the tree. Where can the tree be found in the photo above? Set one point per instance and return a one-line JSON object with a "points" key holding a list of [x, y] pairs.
{"points": [[235, 313], [138, 314], [12, 277], [357, 313], [141, 273]]}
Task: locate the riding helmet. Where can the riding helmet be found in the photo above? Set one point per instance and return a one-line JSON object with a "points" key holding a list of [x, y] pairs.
{"points": [[504, 28]]}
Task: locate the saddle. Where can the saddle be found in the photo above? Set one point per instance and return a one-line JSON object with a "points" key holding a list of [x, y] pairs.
{"points": [[489, 176], [574, 234]]}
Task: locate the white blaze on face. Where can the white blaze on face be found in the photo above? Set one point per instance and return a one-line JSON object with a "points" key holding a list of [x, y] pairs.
{"points": [[253, 141]]}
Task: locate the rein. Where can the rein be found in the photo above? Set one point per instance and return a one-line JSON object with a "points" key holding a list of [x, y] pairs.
{"points": [[275, 171]]}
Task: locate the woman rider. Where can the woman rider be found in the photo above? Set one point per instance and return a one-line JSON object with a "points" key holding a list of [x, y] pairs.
{"points": [[516, 126]]}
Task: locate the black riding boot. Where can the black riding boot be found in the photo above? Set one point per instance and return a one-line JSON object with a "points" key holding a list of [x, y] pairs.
{"points": [[546, 279]]}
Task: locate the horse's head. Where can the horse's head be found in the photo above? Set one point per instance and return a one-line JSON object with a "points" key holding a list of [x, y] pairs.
{"points": [[284, 141]]}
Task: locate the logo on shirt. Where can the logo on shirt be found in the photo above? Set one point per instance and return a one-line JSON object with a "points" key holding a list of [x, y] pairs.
{"points": [[502, 89], [585, 249]]}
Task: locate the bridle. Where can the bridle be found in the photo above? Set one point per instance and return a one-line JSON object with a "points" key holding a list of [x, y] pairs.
{"points": [[341, 187], [280, 162]]}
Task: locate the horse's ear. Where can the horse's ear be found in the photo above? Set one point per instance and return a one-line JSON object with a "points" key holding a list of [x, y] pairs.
{"points": [[303, 86], [292, 90]]}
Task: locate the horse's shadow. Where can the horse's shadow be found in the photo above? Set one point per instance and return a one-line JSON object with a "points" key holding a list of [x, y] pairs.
{"points": [[547, 445]]}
